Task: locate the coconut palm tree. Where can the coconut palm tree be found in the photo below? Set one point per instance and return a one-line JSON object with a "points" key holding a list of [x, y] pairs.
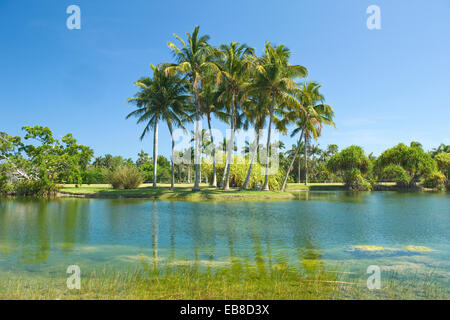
{"points": [[161, 98], [196, 59], [233, 78], [309, 119], [274, 78]]}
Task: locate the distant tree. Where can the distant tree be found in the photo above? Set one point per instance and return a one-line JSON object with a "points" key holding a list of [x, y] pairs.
{"points": [[354, 164], [441, 149], [404, 164], [443, 163]]}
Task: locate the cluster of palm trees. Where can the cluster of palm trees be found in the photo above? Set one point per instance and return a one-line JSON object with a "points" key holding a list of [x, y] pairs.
{"points": [[232, 84]]}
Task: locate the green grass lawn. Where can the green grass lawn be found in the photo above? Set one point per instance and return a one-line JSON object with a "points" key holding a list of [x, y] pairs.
{"points": [[181, 192], [184, 192]]}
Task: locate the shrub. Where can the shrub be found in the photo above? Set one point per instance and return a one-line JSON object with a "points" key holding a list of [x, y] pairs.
{"points": [[238, 173], [443, 162], [94, 175], [355, 181], [35, 188], [435, 180], [397, 174], [127, 177], [5, 186]]}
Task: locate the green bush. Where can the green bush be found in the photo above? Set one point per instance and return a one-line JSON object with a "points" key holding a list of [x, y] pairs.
{"points": [[435, 180], [94, 175], [397, 174], [38, 188], [238, 173], [355, 181], [127, 177], [5, 186]]}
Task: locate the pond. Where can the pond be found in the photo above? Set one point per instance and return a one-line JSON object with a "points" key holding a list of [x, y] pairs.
{"points": [[404, 233]]}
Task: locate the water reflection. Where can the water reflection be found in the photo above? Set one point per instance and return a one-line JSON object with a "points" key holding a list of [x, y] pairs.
{"points": [[241, 235]]}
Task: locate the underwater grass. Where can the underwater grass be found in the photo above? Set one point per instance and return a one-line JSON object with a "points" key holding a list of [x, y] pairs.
{"points": [[239, 281]]}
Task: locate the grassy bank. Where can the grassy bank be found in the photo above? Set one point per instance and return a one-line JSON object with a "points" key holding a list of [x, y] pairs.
{"points": [[187, 283], [181, 192], [184, 192]]}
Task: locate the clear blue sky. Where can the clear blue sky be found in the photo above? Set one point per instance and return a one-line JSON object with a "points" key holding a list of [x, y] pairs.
{"points": [[386, 86]]}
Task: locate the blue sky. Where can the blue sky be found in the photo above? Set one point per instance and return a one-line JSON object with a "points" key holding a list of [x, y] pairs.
{"points": [[386, 86]]}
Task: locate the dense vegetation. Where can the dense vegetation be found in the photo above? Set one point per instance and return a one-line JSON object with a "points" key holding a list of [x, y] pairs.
{"points": [[37, 168]]}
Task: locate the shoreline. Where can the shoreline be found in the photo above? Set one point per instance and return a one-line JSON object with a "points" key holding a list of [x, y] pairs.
{"points": [[183, 192]]}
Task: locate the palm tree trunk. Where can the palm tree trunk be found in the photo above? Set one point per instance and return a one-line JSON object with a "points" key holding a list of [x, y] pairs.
{"points": [[224, 171], [214, 178], [283, 187], [189, 174], [306, 160], [197, 138], [266, 178], [299, 169], [249, 172], [172, 181], [230, 148], [155, 153]]}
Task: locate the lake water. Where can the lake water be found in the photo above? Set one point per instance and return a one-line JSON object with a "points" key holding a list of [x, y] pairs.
{"points": [[407, 233]]}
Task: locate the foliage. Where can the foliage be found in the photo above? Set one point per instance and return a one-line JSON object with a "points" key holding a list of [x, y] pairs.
{"points": [[94, 175], [415, 162], [443, 163], [127, 177], [441, 149], [111, 162], [435, 180], [44, 162], [348, 159], [394, 172], [238, 173], [354, 164], [5, 186], [37, 188]]}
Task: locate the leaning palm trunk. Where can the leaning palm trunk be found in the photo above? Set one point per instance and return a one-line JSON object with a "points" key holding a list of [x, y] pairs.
{"points": [[197, 138], [249, 172], [214, 178], [266, 178], [283, 186], [155, 153], [299, 170], [306, 160]]}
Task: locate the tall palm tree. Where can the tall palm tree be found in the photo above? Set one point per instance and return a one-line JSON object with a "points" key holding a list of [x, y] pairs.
{"points": [[309, 119], [161, 98], [274, 78], [210, 105], [233, 79], [196, 59]]}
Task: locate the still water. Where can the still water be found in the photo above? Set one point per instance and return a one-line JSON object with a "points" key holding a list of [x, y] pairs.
{"points": [[402, 232]]}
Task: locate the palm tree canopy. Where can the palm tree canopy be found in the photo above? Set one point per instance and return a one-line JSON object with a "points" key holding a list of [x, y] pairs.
{"points": [[163, 97]]}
